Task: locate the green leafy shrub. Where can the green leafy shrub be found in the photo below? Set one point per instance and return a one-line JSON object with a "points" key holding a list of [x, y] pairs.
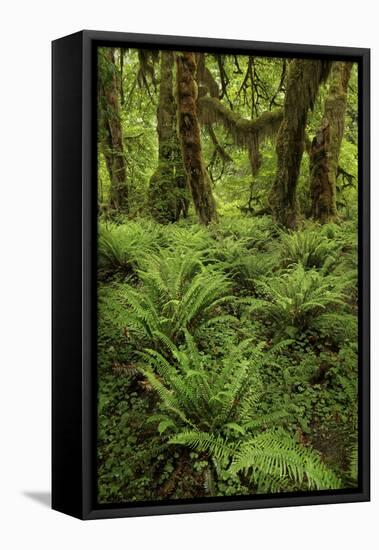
{"points": [[113, 344], [122, 436], [242, 264], [339, 328]]}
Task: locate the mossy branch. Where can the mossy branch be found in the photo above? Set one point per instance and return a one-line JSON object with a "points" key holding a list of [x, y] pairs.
{"points": [[243, 131]]}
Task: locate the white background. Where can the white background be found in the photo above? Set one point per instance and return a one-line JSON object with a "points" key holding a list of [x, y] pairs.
{"points": [[27, 29]]}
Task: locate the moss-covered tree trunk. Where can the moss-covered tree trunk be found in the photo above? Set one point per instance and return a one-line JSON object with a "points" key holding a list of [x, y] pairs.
{"points": [[168, 196], [189, 132], [326, 145], [110, 131], [304, 79]]}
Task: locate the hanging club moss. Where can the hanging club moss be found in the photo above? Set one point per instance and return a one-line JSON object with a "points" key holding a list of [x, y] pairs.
{"points": [[245, 133]]}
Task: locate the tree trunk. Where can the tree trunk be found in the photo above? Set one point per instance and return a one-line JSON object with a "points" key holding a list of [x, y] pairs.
{"points": [[326, 145], [189, 132], [168, 195], [110, 131], [304, 79]]}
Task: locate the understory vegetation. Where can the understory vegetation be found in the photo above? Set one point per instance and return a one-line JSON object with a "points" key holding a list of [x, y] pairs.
{"points": [[227, 310]]}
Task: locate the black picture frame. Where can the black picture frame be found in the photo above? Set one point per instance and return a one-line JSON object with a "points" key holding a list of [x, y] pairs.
{"points": [[74, 267]]}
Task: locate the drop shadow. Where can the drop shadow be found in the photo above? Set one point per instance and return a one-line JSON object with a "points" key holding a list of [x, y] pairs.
{"points": [[42, 497]]}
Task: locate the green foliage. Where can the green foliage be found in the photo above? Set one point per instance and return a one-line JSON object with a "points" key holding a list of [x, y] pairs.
{"points": [[227, 355], [123, 435], [214, 412], [254, 232], [218, 407], [112, 342], [311, 248], [121, 248], [187, 238], [273, 457], [293, 301], [207, 398], [338, 327], [177, 292]]}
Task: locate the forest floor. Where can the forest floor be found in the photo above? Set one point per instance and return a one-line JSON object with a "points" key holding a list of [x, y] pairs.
{"points": [[238, 316]]}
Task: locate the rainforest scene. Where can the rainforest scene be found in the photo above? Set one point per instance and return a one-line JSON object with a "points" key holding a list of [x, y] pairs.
{"points": [[227, 275]]}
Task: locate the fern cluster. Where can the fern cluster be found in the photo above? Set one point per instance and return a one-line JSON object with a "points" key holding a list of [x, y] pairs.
{"points": [[295, 300], [121, 248], [255, 232], [176, 292], [215, 412], [310, 248], [195, 321]]}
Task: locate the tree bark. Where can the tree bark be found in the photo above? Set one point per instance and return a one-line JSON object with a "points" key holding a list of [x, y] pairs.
{"points": [[110, 131], [304, 79], [168, 196], [189, 132], [326, 145]]}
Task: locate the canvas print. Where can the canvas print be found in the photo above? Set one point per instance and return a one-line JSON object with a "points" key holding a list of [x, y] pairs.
{"points": [[227, 267]]}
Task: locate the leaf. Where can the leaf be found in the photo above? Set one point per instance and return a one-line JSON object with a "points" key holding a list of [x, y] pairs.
{"points": [[235, 427], [164, 425]]}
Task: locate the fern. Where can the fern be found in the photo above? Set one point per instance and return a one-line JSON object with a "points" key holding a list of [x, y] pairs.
{"points": [[255, 232], [243, 265], [203, 442], [310, 248], [214, 411], [340, 328], [122, 248], [187, 239], [214, 396], [295, 300], [275, 455], [177, 293]]}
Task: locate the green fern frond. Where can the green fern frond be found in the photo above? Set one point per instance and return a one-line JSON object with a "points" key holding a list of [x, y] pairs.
{"points": [[176, 293], [297, 298], [311, 248], [275, 453], [203, 442]]}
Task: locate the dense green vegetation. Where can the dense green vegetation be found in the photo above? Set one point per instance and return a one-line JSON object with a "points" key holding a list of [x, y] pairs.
{"points": [[227, 275]]}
